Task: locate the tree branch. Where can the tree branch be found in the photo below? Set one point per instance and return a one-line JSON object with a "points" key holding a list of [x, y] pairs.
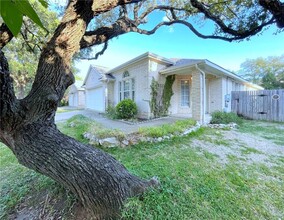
{"points": [[54, 73], [103, 34], [99, 7], [7, 94], [276, 8], [97, 54], [5, 35], [125, 25], [240, 34]]}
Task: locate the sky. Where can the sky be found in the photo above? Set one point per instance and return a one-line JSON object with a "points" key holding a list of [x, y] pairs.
{"points": [[179, 42]]}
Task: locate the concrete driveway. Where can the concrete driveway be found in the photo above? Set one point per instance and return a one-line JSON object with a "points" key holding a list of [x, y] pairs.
{"points": [[114, 124]]}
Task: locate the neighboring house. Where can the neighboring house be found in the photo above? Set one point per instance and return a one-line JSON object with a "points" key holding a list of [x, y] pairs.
{"points": [[76, 95], [96, 85], [200, 86]]}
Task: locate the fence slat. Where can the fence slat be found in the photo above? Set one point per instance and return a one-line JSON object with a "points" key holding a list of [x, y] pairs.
{"points": [[260, 105]]}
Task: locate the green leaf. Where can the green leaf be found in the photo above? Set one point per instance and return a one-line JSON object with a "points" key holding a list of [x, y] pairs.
{"points": [[43, 3], [12, 17], [25, 7]]}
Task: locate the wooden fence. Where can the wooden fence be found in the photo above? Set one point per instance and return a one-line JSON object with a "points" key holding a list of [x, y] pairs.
{"points": [[260, 105]]}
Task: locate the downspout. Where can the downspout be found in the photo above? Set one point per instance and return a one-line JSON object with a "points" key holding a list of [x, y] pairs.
{"points": [[203, 93], [106, 95]]}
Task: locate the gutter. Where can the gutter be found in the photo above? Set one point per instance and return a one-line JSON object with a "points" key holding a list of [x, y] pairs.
{"points": [[203, 93]]}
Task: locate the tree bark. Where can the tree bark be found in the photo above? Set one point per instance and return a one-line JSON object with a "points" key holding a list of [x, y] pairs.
{"points": [[27, 126], [101, 183]]}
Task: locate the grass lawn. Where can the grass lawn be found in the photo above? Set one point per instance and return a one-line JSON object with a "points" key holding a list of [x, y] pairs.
{"points": [[194, 184], [62, 110]]}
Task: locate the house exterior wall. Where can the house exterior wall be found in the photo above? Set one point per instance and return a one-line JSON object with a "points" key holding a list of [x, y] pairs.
{"points": [[230, 85], [220, 90], [139, 72], [143, 72], [110, 94], [197, 105], [76, 97], [81, 98], [175, 107], [93, 81], [153, 73], [215, 94], [218, 87]]}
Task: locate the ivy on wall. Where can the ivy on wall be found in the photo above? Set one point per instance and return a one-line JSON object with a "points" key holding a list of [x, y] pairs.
{"points": [[161, 96], [167, 93]]}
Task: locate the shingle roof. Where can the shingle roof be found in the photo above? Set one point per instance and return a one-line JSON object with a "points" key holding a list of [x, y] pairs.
{"points": [[181, 62], [109, 76]]}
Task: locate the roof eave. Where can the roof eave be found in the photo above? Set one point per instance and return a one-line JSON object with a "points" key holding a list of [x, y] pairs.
{"points": [[139, 58], [172, 69], [224, 71], [90, 67]]}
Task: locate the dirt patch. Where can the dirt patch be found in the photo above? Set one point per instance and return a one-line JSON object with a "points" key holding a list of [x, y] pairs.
{"points": [[248, 148], [41, 205]]}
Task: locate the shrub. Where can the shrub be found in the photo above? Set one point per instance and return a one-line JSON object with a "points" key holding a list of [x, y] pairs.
{"points": [[126, 109], [219, 117], [111, 112]]}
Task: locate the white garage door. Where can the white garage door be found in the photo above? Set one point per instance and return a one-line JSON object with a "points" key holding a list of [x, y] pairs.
{"points": [[95, 99], [73, 100]]}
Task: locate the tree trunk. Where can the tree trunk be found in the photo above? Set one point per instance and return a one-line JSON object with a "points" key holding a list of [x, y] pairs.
{"points": [[100, 182], [27, 126]]}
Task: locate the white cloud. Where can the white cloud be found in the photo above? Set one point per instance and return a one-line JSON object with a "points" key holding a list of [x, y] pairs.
{"points": [[165, 18], [171, 27]]}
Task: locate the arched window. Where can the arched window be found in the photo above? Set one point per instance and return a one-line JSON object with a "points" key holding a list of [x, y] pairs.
{"points": [[126, 87], [125, 74]]}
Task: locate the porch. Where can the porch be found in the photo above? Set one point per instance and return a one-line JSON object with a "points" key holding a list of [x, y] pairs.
{"points": [[197, 92]]}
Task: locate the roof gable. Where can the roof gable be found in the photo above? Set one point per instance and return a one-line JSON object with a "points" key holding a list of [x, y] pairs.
{"points": [[94, 75], [77, 86], [146, 55]]}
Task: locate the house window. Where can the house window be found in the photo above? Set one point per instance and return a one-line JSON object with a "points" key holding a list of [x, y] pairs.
{"points": [[185, 93], [126, 87], [133, 89], [125, 74], [120, 90]]}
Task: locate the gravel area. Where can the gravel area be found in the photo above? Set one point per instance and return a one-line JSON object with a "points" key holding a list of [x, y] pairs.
{"points": [[248, 148]]}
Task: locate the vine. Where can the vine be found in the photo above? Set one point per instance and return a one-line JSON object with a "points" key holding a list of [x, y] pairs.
{"points": [[161, 99], [167, 93]]}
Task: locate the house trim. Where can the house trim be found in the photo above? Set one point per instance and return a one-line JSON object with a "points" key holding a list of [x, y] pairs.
{"points": [[208, 66], [141, 57]]}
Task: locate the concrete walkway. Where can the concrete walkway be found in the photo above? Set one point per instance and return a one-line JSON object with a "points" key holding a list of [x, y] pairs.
{"points": [[114, 124]]}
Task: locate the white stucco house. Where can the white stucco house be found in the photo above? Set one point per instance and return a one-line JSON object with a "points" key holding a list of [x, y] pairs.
{"points": [[200, 87], [76, 95]]}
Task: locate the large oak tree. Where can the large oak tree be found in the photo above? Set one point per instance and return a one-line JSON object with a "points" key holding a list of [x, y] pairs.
{"points": [[27, 125]]}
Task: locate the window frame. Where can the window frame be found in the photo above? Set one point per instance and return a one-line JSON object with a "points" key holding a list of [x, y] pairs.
{"points": [[184, 94], [127, 82]]}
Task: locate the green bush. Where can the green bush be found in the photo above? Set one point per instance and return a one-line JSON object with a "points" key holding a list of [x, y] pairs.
{"points": [[126, 109], [219, 117], [111, 112]]}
